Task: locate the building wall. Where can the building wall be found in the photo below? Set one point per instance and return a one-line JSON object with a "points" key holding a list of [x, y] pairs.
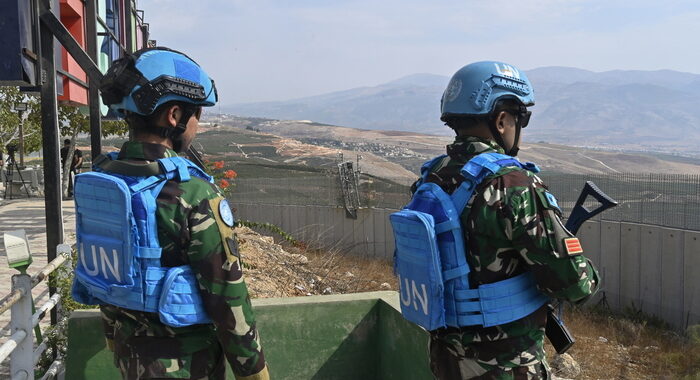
{"points": [[73, 17]]}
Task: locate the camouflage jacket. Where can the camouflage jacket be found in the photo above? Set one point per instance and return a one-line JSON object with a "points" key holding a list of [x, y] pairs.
{"points": [[191, 232], [511, 227]]}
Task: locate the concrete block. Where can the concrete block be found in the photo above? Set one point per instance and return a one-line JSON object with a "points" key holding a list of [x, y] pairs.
{"points": [[691, 295], [609, 265], [629, 264], [672, 276], [389, 233], [650, 269], [380, 225], [589, 234], [370, 233], [348, 233]]}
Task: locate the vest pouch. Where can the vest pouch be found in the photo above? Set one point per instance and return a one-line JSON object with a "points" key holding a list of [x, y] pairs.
{"points": [[180, 302], [417, 264], [105, 271]]}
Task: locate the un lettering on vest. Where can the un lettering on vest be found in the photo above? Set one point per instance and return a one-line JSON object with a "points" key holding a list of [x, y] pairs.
{"points": [[413, 294], [101, 262]]}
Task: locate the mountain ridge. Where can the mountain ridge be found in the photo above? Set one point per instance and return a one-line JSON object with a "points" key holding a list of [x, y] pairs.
{"points": [[625, 109]]}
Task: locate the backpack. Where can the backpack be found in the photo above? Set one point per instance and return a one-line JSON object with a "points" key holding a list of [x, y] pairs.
{"points": [[430, 257], [118, 248]]}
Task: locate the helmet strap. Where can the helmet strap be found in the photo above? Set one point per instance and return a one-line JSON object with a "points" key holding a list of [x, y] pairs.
{"points": [[515, 148], [513, 151], [175, 133], [180, 128]]}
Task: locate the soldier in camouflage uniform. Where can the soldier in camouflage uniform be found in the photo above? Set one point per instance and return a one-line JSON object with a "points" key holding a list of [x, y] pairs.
{"points": [[512, 225], [191, 231]]}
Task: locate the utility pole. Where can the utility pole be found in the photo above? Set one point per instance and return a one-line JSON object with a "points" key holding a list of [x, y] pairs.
{"points": [[50, 143], [20, 108]]}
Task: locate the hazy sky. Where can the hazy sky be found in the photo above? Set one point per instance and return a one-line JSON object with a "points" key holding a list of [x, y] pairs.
{"points": [[276, 50]]}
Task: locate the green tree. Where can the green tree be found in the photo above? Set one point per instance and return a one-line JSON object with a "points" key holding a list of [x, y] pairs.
{"points": [[74, 122], [71, 123], [9, 119], [111, 128]]}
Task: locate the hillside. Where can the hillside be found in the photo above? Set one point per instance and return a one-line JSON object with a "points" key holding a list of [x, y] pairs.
{"points": [[268, 155], [398, 155], [633, 110]]}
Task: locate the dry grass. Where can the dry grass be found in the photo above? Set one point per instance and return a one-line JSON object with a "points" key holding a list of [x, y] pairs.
{"points": [[350, 274], [275, 271], [635, 348]]}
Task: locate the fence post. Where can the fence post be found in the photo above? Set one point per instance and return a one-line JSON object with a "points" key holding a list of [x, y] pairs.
{"points": [[22, 358]]}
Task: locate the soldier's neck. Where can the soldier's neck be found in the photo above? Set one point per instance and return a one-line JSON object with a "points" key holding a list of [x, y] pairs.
{"points": [[476, 132], [152, 139]]}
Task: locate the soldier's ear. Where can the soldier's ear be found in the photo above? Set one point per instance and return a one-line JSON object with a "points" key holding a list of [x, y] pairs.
{"points": [[173, 115], [501, 122]]}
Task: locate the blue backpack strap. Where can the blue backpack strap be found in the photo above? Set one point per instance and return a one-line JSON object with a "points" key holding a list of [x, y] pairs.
{"points": [[480, 167], [427, 167], [148, 189], [175, 168], [181, 169]]}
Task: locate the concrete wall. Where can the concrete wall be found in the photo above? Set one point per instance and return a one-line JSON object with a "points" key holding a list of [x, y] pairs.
{"points": [[654, 269], [326, 226]]}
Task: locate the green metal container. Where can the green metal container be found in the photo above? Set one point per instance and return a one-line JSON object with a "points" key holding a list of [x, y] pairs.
{"points": [[349, 336]]}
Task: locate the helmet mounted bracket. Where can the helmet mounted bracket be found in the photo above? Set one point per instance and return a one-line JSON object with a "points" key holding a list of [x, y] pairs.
{"points": [[148, 95]]}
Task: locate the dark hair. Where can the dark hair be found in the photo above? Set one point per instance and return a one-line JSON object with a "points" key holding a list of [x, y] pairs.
{"points": [[66, 141], [143, 123], [465, 122]]}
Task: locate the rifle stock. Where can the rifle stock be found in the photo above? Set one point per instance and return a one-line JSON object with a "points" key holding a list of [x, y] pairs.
{"points": [[556, 331], [194, 156]]}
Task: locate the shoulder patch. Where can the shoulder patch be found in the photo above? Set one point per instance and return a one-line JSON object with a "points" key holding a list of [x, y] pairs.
{"points": [[225, 213], [573, 246], [551, 200]]}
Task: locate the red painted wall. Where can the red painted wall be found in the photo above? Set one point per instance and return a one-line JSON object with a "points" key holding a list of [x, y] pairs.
{"points": [[72, 16]]}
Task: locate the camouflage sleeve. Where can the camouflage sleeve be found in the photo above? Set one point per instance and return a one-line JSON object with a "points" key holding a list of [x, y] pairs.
{"points": [[514, 218], [214, 257], [537, 233], [108, 321]]}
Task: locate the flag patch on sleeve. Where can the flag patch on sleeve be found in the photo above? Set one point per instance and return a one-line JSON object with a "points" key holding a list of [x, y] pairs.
{"points": [[573, 246]]}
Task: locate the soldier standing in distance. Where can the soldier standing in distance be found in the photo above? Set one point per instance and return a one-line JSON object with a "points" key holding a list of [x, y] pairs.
{"points": [[161, 93], [512, 225], [75, 165]]}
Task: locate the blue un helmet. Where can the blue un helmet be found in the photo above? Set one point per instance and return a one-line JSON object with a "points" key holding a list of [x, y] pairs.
{"points": [[141, 82], [148, 78], [476, 88]]}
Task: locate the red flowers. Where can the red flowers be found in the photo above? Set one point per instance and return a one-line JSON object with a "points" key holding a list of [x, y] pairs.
{"points": [[223, 177]]}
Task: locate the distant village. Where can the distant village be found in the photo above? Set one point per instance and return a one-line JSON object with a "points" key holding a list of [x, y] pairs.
{"points": [[378, 149]]}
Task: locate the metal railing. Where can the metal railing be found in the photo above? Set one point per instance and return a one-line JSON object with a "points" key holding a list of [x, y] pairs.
{"points": [[20, 346]]}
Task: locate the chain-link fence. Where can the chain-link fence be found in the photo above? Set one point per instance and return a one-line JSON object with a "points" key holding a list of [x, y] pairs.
{"points": [[670, 200], [321, 191]]}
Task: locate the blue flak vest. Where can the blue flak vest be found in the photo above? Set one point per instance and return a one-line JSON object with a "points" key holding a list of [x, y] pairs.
{"points": [[431, 257], [118, 248]]}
